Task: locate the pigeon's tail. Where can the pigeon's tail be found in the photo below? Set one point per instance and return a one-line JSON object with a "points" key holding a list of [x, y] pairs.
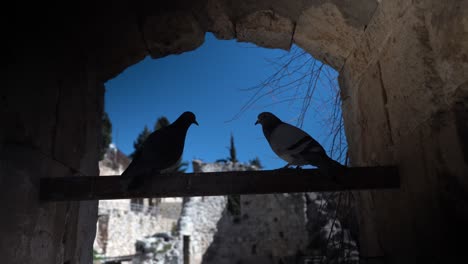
{"points": [[325, 164], [321, 159], [335, 164], [129, 170], [333, 168], [133, 180]]}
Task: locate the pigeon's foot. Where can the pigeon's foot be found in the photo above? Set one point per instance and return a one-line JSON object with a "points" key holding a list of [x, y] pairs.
{"points": [[287, 167]]}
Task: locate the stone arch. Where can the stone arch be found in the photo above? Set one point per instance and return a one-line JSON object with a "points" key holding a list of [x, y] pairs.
{"points": [[323, 28], [403, 81]]}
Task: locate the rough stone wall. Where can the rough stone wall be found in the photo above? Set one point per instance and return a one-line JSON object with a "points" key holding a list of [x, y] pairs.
{"points": [[328, 29], [268, 228], [198, 220], [405, 98], [51, 112], [200, 215]]}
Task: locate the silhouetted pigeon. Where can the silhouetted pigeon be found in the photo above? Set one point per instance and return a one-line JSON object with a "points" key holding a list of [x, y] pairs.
{"points": [[162, 149], [294, 145]]}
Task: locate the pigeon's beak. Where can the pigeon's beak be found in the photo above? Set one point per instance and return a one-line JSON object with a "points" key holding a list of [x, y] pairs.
{"points": [[195, 122], [256, 123]]}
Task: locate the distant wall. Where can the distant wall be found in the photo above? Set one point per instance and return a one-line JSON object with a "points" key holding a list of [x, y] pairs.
{"points": [[120, 223], [267, 227], [198, 220], [121, 227], [270, 228]]}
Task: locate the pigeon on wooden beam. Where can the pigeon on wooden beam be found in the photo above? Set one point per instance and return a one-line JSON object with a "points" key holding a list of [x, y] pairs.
{"points": [[295, 146], [161, 150]]}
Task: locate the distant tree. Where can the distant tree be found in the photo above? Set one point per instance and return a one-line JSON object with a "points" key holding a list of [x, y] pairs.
{"points": [[233, 201], [106, 134], [232, 151], [137, 203], [180, 166], [234, 206], [138, 143], [161, 122], [256, 162]]}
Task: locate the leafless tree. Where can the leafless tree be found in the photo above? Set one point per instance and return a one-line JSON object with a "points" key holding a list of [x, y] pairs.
{"points": [[298, 77]]}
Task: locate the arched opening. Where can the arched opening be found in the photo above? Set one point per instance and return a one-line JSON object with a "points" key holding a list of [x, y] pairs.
{"points": [[226, 84]]}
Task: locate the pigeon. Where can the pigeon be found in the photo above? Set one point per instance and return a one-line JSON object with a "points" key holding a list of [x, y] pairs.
{"points": [[161, 150], [294, 145]]}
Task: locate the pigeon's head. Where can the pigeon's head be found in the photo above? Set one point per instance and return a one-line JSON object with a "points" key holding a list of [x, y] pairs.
{"points": [[189, 118], [267, 119]]}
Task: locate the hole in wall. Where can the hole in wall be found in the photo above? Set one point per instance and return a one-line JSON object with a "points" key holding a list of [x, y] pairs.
{"points": [[219, 82]]}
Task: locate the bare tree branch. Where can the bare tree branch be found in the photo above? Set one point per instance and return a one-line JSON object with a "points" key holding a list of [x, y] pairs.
{"points": [[298, 77]]}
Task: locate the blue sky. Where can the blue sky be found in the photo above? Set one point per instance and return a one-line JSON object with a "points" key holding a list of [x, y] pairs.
{"points": [[209, 82]]}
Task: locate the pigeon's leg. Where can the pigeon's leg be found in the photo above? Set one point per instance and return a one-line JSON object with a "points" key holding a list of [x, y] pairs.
{"points": [[286, 167]]}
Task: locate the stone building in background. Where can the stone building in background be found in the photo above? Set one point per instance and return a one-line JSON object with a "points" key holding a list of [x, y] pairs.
{"points": [[273, 228], [121, 223]]}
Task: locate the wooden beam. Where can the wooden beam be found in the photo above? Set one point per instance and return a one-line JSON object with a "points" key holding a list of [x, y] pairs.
{"points": [[217, 183]]}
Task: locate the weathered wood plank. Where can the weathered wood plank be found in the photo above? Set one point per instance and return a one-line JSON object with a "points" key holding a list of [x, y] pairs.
{"points": [[218, 183]]}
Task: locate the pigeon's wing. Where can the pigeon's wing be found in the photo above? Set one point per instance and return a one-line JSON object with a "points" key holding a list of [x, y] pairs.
{"points": [[136, 167], [290, 143], [152, 158], [163, 148], [130, 168]]}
